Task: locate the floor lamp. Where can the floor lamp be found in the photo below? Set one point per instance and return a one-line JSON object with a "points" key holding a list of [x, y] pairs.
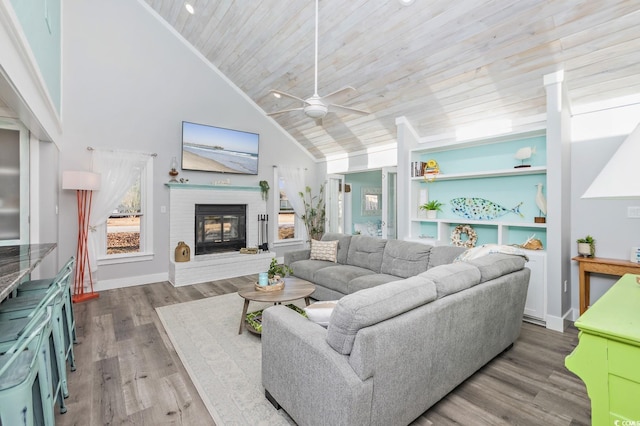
{"points": [[84, 183]]}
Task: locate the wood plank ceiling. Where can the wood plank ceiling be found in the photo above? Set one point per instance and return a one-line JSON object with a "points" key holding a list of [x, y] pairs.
{"points": [[444, 64]]}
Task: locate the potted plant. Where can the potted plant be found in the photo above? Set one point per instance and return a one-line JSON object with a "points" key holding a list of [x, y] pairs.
{"points": [[314, 212], [432, 207], [586, 246], [264, 188], [276, 271]]}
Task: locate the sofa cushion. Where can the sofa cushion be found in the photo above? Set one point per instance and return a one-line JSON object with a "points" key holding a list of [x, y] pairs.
{"points": [[320, 312], [366, 252], [497, 264], [373, 305], [337, 277], [369, 281], [324, 250], [404, 258], [443, 255], [306, 269], [453, 277], [343, 244]]}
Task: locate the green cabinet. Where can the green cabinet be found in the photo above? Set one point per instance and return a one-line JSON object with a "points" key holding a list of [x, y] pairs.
{"points": [[607, 358]]}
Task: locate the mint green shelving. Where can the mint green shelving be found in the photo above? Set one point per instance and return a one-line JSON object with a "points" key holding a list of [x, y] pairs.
{"points": [[483, 169]]}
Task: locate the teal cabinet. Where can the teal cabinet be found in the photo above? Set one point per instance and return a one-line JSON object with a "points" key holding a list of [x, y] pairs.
{"points": [[607, 357]]}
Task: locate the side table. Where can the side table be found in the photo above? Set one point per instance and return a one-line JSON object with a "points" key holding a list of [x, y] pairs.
{"points": [[294, 288], [600, 265]]}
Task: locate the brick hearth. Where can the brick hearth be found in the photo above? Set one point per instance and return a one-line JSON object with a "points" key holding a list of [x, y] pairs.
{"points": [[182, 201]]}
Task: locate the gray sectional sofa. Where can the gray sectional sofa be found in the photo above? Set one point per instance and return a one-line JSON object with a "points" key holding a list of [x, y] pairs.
{"points": [[365, 262], [395, 347]]}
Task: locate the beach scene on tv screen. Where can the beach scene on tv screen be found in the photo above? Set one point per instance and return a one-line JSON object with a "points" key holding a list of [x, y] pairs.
{"points": [[215, 149]]}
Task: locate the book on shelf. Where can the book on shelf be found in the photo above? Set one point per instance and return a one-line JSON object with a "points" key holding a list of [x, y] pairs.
{"points": [[417, 168]]}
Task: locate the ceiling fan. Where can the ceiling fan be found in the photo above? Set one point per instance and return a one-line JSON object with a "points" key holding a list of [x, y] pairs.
{"points": [[317, 106]]}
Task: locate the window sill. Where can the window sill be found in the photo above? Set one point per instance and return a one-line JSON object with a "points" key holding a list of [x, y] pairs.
{"points": [[124, 258], [291, 242]]}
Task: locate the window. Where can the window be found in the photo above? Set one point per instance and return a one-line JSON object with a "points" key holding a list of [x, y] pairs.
{"points": [[123, 226], [286, 215], [127, 233]]}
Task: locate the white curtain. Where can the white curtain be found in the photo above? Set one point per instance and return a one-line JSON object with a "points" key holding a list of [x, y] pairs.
{"points": [[293, 185], [119, 171]]}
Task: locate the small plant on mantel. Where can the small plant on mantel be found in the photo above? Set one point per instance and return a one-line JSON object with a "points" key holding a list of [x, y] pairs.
{"points": [[264, 188], [279, 270]]}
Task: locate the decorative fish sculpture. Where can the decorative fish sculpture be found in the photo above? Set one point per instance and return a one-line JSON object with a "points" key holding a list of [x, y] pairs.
{"points": [[481, 209]]}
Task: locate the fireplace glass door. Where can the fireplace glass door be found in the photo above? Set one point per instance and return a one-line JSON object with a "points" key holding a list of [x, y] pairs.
{"points": [[220, 228]]}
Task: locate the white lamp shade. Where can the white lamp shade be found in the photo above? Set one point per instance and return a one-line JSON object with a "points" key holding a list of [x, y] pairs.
{"points": [[620, 178], [79, 180]]}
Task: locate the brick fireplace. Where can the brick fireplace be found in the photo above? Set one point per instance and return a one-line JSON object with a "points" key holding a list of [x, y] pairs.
{"points": [[222, 264]]}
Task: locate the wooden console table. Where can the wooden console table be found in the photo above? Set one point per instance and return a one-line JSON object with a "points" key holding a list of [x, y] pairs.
{"points": [[600, 265]]}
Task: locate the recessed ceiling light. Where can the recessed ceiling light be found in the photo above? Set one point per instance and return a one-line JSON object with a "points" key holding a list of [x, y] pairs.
{"points": [[189, 8], [406, 2], [277, 95]]}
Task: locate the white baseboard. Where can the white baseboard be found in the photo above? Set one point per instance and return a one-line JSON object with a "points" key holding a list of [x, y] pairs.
{"points": [[103, 285], [559, 323]]}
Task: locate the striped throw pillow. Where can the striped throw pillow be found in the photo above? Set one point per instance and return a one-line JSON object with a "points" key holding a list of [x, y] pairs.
{"points": [[324, 250]]}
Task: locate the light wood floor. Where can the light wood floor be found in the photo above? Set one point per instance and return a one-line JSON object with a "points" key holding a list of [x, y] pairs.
{"points": [[129, 373]]}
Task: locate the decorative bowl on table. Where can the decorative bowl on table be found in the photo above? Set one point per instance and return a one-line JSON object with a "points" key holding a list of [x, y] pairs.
{"points": [[274, 285]]}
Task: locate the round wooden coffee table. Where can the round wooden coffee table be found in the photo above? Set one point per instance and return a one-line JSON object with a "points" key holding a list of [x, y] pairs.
{"points": [[294, 288]]}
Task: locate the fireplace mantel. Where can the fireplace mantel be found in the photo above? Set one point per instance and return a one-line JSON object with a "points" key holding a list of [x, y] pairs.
{"points": [[182, 200], [178, 185]]}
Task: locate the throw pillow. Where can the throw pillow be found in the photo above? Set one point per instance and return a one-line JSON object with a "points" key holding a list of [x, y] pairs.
{"points": [[320, 312], [485, 249], [324, 250]]}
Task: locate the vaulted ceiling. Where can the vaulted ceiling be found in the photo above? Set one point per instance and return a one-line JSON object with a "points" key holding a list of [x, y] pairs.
{"points": [[443, 64]]}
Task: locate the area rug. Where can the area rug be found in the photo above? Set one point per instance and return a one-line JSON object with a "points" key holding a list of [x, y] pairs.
{"points": [[224, 366]]}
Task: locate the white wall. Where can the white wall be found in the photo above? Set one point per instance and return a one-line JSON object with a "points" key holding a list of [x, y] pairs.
{"points": [[605, 220], [597, 132], [128, 83]]}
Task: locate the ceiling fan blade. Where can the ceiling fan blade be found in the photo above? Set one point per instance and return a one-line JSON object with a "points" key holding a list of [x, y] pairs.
{"points": [[341, 108], [334, 96], [287, 95], [285, 110]]}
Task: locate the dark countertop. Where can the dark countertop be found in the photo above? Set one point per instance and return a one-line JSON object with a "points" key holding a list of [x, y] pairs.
{"points": [[18, 261]]}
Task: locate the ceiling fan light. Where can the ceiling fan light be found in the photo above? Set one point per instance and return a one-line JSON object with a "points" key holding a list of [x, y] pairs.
{"points": [[315, 111]]}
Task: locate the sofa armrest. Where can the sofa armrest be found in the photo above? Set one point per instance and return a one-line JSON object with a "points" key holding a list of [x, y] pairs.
{"points": [[311, 381], [295, 255]]}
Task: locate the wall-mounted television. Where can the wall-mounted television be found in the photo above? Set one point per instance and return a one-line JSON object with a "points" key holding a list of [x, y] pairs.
{"points": [[215, 149]]}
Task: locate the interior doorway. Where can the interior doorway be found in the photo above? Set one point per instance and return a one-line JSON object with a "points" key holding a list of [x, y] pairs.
{"points": [[335, 209], [363, 203]]}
